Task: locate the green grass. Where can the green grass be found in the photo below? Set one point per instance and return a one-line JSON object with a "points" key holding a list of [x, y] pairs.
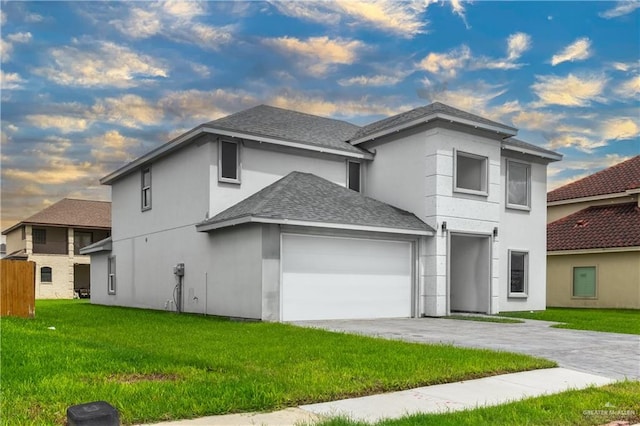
{"points": [[625, 321], [155, 366], [593, 406], [485, 318]]}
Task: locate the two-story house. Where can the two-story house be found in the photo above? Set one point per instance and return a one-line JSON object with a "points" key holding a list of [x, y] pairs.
{"points": [[278, 215], [594, 240], [53, 237]]}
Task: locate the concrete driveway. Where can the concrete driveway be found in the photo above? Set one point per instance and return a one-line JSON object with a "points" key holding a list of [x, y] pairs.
{"points": [[612, 355]]}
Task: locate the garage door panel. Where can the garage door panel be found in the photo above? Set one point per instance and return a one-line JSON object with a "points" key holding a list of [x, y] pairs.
{"points": [[331, 278]]}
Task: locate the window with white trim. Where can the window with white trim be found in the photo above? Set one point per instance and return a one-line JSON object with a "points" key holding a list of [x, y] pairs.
{"points": [[518, 273], [470, 173], [146, 189], [111, 275], [584, 282], [46, 274], [518, 185], [353, 175], [229, 162]]}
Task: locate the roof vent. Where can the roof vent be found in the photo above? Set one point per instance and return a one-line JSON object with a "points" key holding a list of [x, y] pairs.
{"points": [[581, 223]]}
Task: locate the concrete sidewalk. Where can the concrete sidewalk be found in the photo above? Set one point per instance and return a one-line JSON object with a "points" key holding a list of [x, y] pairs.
{"points": [[430, 399]]}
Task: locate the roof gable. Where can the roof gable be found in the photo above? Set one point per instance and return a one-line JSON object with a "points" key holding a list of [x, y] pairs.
{"points": [[308, 198], [613, 180], [608, 226], [434, 109], [72, 212], [264, 120]]}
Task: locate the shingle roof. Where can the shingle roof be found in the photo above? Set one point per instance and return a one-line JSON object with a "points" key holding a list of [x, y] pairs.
{"points": [[309, 198], [615, 179], [608, 226], [72, 212], [423, 111], [264, 120], [517, 143]]}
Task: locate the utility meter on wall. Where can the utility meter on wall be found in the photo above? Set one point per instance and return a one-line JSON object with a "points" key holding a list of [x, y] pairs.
{"points": [[179, 269]]}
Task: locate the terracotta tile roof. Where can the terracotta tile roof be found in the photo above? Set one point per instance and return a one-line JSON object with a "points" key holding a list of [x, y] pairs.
{"points": [[309, 198], [615, 179], [72, 212], [609, 226]]}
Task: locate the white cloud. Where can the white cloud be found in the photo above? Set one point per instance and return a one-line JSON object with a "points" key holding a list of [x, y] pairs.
{"points": [[374, 80], [100, 64], [175, 20], [568, 91], [112, 147], [629, 88], [3, 17], [317, 54], [620, 129], [579, 50], [200, 69], [458, 9], [621, 8], [20, 37], [537, 120], [402, 18], [582, 142], [127, 110], [193, 106], [6, 49], [33, 18], [517, 44], [64, 123], [446, 64], [10, 80]]}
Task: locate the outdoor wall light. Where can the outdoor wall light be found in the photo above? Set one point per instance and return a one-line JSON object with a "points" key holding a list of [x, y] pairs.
{"points": [[495, 232], [444, 226]]}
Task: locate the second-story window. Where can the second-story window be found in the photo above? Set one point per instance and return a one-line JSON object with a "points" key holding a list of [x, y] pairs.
{"points": [[146, 189], [229, 162], [353, 175], [470, 173], [39, 236], [518, 185]]}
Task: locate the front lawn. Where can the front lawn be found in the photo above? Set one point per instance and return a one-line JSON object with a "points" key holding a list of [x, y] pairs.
{"points": [[593, 406], [156, 366], [625, 321]]}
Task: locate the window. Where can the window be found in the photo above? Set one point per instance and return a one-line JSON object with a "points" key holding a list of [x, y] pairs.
{"points": [[146, 189], [46, 274], [353, 175], [518, 273], [39, 236], [111, 275], [518, 185], [584, 281], [81, 239], [470, 173], [229, 162]]}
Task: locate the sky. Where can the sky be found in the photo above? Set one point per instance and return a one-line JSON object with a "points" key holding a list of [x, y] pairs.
{"points": [[89, 86]]}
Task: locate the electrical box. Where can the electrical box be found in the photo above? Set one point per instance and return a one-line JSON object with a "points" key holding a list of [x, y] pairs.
{"points": [[178, 270]]}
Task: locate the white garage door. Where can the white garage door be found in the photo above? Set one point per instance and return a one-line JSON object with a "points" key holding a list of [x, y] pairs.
{"points": [[341, 278]]}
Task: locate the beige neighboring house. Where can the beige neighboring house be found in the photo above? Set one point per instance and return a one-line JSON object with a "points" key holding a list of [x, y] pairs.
{"points": [[53, 237], [593, 240]]}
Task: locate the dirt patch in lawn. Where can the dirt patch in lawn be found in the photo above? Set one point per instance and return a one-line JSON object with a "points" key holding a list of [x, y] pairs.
{"points": [[142, 377]]}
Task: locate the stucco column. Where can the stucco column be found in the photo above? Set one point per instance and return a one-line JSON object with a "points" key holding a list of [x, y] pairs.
{"points": [[70, 242], [28, 239]]}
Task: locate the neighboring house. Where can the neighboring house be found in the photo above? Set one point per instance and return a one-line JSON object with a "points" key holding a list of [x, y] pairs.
{"points": [[278, 215], [593, 240], [53, 237]]}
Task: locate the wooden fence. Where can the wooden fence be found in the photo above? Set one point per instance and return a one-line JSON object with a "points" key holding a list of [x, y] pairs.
{"points": [[17, 288]]}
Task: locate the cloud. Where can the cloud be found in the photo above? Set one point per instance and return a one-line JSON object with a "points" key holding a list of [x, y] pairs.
{"points": [[385, 78], [620, 9], [64, 123], [582, 142], [113, 148], [20, 37], [318, 54], [402, 18], [127, 110], [579, 50], [620, 129], [194, 106], [174, 20], [517, 44], [629, 89], [3, 17], [100, 64], [537, 120], [446, 64], [458, 9], [568, 91], [10, 80], [33, 18]]}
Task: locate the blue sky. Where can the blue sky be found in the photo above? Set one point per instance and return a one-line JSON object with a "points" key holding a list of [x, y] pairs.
{"points": [[88, 86]]}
